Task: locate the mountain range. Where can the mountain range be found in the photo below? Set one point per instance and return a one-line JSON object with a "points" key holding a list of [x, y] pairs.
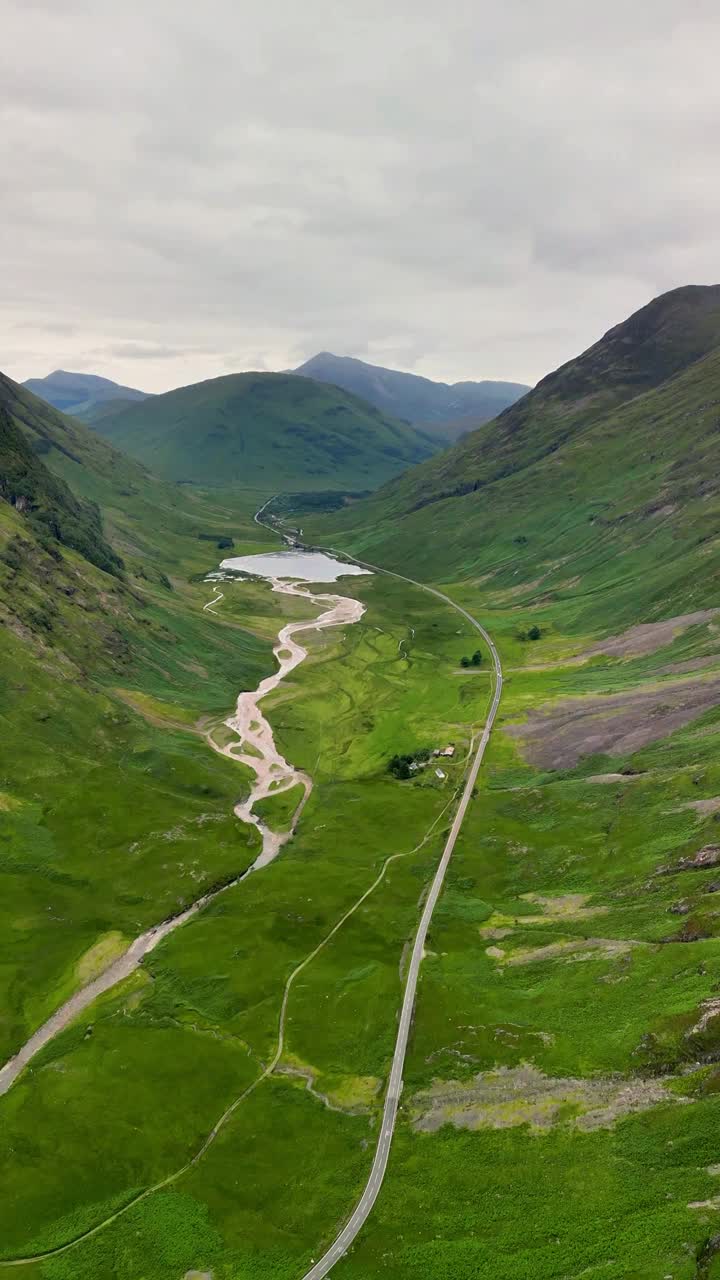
{"points": [[271, 429], [84, 395], [446, 410]]}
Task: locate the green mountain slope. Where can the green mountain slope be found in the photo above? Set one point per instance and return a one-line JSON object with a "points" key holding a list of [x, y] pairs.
{"points": [[91, 412], [101, 631], [445, 410], [100, 519], [49, 505], [614, 452], [80, 393], [271, 430], [150, 521], [576, 949]]}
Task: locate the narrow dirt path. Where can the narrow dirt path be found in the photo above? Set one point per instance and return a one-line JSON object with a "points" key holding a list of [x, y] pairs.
{"points": [[210, 606], [264, 1075]]}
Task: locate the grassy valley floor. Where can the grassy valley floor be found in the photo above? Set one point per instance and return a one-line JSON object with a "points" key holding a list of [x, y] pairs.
{"points": [[129, 1095], [560, 1109], [559, 1116]]}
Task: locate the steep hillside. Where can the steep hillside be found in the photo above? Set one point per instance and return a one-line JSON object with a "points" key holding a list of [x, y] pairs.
{"points": [[644, 351], [45, 500], [118, 548], [615, 448], [114, 809], [81, 393], [92, 412], [447, 411], [254, 429], [129, 498]]}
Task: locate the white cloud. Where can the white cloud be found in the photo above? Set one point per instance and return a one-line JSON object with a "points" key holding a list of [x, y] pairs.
{"points": [[466, 190]]}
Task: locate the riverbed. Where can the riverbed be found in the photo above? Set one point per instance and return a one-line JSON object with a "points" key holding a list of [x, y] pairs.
{"points": [[254, 746], [273, 774]]}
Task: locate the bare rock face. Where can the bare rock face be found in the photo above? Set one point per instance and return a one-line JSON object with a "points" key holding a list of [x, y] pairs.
{"points": [[704, 860], [707, 857], [680, 908]]}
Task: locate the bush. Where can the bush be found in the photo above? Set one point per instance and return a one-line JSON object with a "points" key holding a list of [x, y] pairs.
{"points": [[399, 766], [475, 661], [15, 553]]}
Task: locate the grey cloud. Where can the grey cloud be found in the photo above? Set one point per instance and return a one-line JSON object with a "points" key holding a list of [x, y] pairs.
{"points": [[464, 190], [143, 351]]}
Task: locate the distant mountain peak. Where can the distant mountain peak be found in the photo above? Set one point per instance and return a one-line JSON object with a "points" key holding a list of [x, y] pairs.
{"points": [[654, 343], [80, 394], [262, 429], [446, 410]]}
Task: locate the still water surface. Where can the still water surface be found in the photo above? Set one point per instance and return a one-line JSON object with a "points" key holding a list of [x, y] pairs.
{"points": [[302, 566]]}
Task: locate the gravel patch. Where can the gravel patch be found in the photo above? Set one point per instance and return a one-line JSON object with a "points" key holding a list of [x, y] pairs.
{"points": [[559, 734], [648, 637], [514, 1096]]}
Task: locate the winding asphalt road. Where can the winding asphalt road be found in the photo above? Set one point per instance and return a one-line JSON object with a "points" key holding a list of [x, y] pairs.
{"points": [[370, 1194]]}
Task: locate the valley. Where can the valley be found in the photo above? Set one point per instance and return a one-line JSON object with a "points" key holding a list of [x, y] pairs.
{"points": [[253, 747], [380, 665], [464, 1021], [360, 641]]}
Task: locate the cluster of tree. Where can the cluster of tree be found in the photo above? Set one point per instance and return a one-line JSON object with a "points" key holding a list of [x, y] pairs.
{"points": [[221, 540], [475, 661], [321, 501], [534, 633], [399, 766]]}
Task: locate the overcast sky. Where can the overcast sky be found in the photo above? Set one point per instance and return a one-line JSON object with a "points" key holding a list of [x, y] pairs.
{"points": [[459, 188]]}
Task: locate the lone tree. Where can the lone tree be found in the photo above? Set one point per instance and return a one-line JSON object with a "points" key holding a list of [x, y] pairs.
{"points": [[464, 662], [534, 633]]}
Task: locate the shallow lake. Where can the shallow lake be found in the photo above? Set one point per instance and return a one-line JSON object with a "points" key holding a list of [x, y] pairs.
{"points": [[304, 566]]}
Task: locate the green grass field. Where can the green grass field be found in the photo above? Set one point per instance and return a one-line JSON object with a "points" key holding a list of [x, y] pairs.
{"points": [[149, 1072], [548, 862], [559, 1118]]}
